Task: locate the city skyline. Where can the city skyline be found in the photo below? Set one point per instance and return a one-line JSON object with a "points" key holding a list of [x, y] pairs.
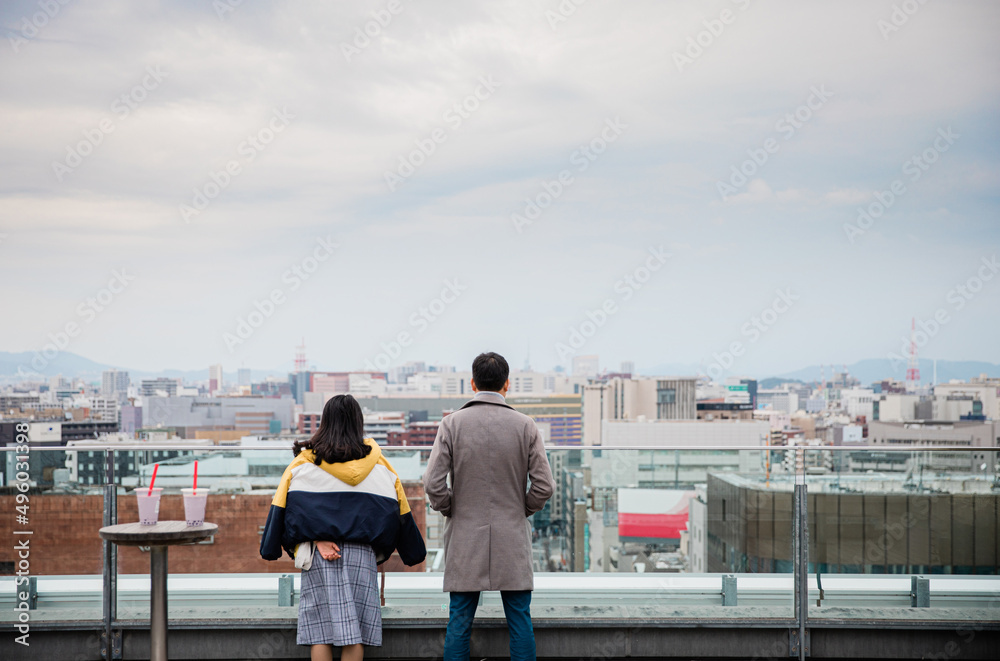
{"points": [[866, 371], [491, 177]]}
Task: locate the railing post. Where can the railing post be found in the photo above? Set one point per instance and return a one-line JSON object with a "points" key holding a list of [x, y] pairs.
{"points": [[920, 592], [729, 594], [32, 592], [109, 561], [286, 589], [800, 560]]}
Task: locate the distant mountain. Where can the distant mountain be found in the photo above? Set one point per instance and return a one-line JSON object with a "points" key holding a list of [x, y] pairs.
{"points": [[871, 370], [866, 371], [774, 382], [65, 363], [71, 365]]}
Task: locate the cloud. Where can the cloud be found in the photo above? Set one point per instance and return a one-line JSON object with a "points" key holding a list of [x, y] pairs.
{"points": [[354, 119], [845, 197]]}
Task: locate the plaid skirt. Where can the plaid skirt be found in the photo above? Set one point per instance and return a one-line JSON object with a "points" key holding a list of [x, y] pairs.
{"points": [[339, 604]]}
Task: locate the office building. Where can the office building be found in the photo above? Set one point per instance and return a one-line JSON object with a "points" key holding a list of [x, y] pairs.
{"points": [[256, 423], [299, 385], [932, 433], [379, 424], [697, 533], [339, 383], [416, 434], [401, 373], [430, 406], [778, 399], [647, 398], [114, 383], [215, 379], [719, 410], [104, 409], [895, 407], [668, 433], [983, 389], [270, 388], [586, 366], [18, 401], [561, 415], [72, 430], [308, 423], [857, 525], [89, 466], [159, 387], [857, 402], [190, 414], [130, 419]]}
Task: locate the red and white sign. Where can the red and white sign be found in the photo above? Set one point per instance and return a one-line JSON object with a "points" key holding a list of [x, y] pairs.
{"points": [[653, 513]]}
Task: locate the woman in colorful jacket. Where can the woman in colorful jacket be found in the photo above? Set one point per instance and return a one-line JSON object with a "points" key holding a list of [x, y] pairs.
{"points": [[339, 510]]}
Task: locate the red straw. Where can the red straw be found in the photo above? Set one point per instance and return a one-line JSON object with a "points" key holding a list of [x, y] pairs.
{"points": [[195, 477], [156, 467]]}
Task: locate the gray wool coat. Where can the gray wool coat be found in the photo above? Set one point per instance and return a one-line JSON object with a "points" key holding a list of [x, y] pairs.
{"points": [[489, 451]]}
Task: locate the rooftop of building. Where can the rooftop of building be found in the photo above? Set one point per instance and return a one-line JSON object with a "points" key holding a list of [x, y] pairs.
{"points": [[873, 483]]}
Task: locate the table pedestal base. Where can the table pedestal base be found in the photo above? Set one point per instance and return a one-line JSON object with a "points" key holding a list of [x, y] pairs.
{"points": [[157, 537], [158, 603]]}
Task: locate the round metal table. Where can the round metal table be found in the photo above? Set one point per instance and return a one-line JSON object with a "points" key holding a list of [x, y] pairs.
{"points": [[157, 537]]}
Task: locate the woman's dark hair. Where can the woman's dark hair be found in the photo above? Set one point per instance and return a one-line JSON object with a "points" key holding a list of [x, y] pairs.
{"points": [[341, 432], [490, 371]]}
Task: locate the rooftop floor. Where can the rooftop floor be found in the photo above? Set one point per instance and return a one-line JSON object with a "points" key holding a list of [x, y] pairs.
{"points": [[653, 616]]}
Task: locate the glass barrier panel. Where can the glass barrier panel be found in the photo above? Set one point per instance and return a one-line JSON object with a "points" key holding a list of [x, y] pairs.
{"points": [[904, 531], [657, 528], [52, 541], [212, 577], [668, 525], [675, 530]]}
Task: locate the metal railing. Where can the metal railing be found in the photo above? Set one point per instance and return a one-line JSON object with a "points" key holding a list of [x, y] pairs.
{"points": [[798, 624]]}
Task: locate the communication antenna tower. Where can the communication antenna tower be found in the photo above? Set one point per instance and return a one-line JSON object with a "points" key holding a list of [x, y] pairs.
{"points": [[913, 367], [300, 356]]}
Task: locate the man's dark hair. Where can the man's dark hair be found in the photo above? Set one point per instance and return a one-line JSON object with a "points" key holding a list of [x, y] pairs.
{"points": [[341, 432], [490, 371]]}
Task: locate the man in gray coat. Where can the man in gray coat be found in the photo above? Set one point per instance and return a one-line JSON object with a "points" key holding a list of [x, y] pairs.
{"points": [[489, 451]]}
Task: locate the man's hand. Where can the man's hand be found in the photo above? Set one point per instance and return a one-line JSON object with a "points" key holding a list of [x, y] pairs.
{"points": [[328, 550]]}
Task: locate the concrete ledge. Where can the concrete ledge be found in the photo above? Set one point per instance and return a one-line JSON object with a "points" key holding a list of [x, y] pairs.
{"points": [[606, 638], [554, 643], [613, 616]]}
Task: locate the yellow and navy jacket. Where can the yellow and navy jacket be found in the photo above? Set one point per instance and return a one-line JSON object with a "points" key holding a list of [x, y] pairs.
{"points": [[359, 501]]}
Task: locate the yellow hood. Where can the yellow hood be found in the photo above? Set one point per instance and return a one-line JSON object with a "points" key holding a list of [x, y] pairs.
{"points": [[352, 472]]}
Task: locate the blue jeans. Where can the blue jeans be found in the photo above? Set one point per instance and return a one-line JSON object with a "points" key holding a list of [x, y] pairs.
{"points": [[517, 608]]}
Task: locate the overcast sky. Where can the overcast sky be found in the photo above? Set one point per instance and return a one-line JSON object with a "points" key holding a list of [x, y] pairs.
{"points": [[643, 108]]}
